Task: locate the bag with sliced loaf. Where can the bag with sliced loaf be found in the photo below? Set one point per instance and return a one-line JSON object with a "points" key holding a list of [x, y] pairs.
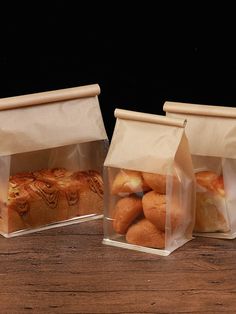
{"points": [[211, 132], [53, 145], [149, 184]]}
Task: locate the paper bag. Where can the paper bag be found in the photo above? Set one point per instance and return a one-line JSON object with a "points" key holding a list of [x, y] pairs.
{"points": [[211, 131], [149, 184], [53, 145]]}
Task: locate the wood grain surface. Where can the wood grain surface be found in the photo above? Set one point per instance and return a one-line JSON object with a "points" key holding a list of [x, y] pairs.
{"points": [[69, 270]]}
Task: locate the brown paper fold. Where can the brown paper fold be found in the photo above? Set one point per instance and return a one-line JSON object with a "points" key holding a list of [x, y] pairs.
{"points": [[211, 130], [201, 110], [74, 118], [147, 117], [50, 96], [144, 142]]}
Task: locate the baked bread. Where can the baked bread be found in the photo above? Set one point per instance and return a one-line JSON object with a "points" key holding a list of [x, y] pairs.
{"points": [[127, 209], [211, 215], [128, 182], [144, 233], [211, 182], [52, 195], [154, 208], [89, 185], [156, 182]]}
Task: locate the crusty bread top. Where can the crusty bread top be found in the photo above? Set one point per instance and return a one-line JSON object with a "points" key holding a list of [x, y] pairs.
{"points": [[128, 181], [211, 181], [52, 174], [46, 184], [157, 182]]}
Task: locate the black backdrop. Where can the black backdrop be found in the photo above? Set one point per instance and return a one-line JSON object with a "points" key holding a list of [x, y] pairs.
{"points": [[140, 58]]}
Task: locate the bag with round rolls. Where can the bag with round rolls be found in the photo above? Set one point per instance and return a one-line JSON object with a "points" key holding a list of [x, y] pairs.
{"points": [[149, 184], [211, 132]]}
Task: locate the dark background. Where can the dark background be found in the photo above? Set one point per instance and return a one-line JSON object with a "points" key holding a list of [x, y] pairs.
{"points": [[140, 55]]}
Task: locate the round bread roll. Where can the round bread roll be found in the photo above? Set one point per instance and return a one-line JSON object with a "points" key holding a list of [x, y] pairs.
{"points": [[144, 233], [210, 213], [128, 181], [157, 182], [211, 181], [154, 208], [127, 210]]}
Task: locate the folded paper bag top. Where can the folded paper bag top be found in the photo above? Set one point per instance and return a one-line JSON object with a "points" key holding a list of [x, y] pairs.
{"points": [[211, 131], [69, 115], [149, 184], [135, 133]]}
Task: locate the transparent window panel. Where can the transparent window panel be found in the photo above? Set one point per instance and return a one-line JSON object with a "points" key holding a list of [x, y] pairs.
{"points": [[215, 197], [229, 175], [180, 209], [147, 212], [4, 178], [52, 186]]}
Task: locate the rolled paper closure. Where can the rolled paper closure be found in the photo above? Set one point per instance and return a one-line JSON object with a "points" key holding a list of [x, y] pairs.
{"points": [[49, 97], [148, 117], [202, 110]]}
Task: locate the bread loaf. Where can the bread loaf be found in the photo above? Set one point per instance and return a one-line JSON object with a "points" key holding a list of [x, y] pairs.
{"points": [[211, 182], [127, 209], [144, 233], [156, 182], [144, 212], [211, 213], [154, 208], [52, 195]]}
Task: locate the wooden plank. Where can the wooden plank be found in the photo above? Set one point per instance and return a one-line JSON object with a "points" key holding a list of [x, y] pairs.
{"points": [[119, 302], [69, 270]]}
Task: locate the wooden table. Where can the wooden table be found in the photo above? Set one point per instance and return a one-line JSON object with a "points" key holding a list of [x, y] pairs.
{"points": [[69, 270]]}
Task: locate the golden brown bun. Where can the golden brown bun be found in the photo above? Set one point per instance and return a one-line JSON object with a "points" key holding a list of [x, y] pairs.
{"points": [[127, 210], [157, 182], [209, 217], [211, 181], [52, 195], [144, 233], [128, 181], [154, 208], [210, 203]]}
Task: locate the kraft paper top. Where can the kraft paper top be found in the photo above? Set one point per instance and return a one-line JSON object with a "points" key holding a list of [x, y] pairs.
{"points": [[50, 96], [200, 110], [139, 143], [147, 117], [211, 130], [49, 125]]}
